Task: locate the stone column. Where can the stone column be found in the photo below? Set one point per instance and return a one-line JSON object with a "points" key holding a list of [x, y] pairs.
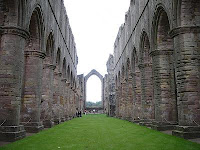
{"points": [[12, 46], [164, 90], [117, 101], [187, 47], [63, 100], [133, 75], [137, 90], [47, 95], [31, 102], [123, 98], [147, 104], [57, 97], [67, 101], [130, 97], [120, 100], [74, 101]]}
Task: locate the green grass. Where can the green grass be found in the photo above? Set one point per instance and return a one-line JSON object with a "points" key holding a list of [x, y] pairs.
{"points": [[98, 132]]}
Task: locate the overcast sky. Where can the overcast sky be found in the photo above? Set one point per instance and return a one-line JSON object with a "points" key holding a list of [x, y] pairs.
{"points": [[95, 24]]}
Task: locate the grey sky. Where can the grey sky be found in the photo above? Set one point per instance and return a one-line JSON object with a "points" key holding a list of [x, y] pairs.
{"points": [[95, 25]]}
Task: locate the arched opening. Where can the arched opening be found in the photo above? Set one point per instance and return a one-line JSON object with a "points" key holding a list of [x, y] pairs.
{"points": [[47, 84], [164, 72], [146, 79], [93, 92], [187, 39], [92, 82], [32, 91]]}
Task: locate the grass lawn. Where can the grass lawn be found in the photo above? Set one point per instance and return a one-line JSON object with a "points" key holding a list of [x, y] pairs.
{"points": [[98, 132]]}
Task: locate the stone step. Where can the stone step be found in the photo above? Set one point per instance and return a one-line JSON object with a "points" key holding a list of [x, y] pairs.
{"points": [[186, 135]]}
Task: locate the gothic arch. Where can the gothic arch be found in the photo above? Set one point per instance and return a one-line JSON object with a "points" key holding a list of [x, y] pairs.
{"points": [[146, 78], [94, 72], [32, 87], [164, 52]]}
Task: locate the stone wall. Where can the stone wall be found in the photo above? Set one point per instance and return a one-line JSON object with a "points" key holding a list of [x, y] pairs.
{"points": [[38, 73], [156, 65], [109, 88]]}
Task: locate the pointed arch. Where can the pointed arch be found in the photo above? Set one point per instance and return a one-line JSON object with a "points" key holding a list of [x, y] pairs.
{"points": [[50, 48], [164, 72], [32, 91], [147, 100], [96, 73]]}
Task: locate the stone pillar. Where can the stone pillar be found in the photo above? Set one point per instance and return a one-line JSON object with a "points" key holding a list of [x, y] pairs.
{"points": [[63, 100], [12, 46], [117, 101], [130, 97], [137, 90], [123, 99], [164, 90], [47, 95], [134, 116], [147, 104], [187, 47], [74, 102], [31, 102], [57, 97], [67, 101]]}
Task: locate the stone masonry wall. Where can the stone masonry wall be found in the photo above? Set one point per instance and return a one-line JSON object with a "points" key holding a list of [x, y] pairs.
{"points": [[38, 73], [161, 41]]}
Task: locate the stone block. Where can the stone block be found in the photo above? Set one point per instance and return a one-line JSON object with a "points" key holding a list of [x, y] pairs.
{"points": [[33, 127], [12, 133], [187, 132]]}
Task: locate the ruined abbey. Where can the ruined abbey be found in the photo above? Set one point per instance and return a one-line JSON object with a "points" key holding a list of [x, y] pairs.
{"points": [[153, 75]]}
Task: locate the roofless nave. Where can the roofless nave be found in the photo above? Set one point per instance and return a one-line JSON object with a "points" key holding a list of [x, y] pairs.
{"points": [[153, 77]]}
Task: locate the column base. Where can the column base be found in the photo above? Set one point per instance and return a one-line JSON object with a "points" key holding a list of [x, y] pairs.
{"points": [[67, 118], [187, 132], [57, 121], [147, 123], [128, 119], [12, 133], [33, 127], [48, 123], [163, 126], [63, 119]]}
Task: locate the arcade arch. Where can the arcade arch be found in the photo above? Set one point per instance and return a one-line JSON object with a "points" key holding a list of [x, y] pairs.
{"points": [[96, 73]]}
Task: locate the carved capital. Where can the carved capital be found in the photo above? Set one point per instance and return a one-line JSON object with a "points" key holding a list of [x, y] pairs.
{"points": [[35, 54], [161, 52], [185, 29], [13, 30]]}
